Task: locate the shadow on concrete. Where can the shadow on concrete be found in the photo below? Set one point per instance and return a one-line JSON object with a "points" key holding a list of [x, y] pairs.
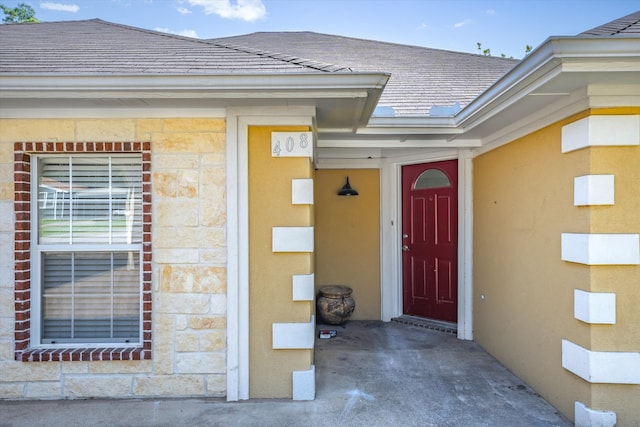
{"points": [[370, 374]]}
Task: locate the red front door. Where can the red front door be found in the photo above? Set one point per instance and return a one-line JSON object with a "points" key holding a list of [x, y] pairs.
{"points": [[429, 240]]}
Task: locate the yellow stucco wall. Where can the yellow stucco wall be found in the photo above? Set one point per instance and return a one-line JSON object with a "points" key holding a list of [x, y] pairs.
{"points": [[348, 236], [523, 201], [189, 264], [270, 282], [621, 217]]}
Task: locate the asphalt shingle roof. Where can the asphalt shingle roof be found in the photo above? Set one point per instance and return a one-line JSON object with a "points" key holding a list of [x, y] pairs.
{"points": [[420, 77], [95, 47], [627, 25]]}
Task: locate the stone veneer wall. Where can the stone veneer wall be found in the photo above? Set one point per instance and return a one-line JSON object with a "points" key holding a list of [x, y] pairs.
{"points": [[189, 257]]}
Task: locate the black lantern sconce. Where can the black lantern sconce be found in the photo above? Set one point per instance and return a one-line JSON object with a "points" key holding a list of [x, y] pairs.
{"points": [[347, 190]]}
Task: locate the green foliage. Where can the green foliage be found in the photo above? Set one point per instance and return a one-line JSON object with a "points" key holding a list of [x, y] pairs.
{"points": [[21, 13], [487, 52]]}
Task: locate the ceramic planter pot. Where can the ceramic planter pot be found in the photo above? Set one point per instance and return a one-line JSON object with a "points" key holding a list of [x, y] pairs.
{"points": [[335, 304]]}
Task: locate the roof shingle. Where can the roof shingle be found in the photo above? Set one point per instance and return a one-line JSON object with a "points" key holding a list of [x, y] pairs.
{"points": [[627, 25], [98, 47], [420, 77]]}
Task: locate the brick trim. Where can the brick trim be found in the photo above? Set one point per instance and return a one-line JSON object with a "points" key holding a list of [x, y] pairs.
{"points": [[22, 253]]}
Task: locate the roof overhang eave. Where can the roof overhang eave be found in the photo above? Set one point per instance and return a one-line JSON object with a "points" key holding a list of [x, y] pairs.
{"points": [[553, 64], [22, 85], [556, 56], [354, 93]]}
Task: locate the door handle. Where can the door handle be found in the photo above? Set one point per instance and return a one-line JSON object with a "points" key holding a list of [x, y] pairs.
{"points": [[405, 248]]}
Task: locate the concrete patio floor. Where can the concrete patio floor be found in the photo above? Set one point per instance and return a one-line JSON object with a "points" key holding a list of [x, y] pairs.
{"points": [[370, 374]]}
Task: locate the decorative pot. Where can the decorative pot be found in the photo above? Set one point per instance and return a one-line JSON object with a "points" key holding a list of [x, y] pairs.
{"points": [[335, 304]]}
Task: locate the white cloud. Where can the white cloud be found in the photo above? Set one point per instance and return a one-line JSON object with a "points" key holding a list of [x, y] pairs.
{"points": [[490, 11], [184, 10], [246, 10], [422, 26], [462, 23], [185, 33], [73, 8]]}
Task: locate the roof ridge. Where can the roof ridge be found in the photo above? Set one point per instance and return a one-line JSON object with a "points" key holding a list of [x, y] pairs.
{"points": [[370, 40], [607, 26], [145, 30], [277, 56], [316, 65]]}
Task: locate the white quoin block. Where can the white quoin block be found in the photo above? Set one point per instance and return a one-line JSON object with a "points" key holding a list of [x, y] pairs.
{"points": [[601, 131], [303, 287], [606, 367], [587, 417], [304, 384], [292, 239], [601, 249], [594, 307], [293, 335], [302, 191], [591, 190]]}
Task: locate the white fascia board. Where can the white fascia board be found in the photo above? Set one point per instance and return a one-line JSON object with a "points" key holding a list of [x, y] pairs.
{"points": [[509, 86], [411, 122], [299, 85], [111, 113], [397, 141], [555, 56], [585, 47]]}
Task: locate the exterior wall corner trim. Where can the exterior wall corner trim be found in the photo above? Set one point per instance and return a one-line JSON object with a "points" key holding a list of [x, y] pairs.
{"points": [[601, 249], [606, 367], [587, 417], [594, 307]]}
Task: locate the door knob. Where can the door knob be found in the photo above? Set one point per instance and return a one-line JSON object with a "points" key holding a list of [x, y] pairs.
{"points": [[405, 248]]}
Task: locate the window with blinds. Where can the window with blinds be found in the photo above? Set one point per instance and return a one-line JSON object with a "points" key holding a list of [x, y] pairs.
{"points": [[89, 243]]}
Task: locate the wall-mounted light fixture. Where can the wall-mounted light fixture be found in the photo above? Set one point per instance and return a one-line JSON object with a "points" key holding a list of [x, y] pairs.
{"points": [[347, 190]]}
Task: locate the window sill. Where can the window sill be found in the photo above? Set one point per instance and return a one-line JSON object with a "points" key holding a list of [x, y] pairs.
{"points": [[83, 354]]}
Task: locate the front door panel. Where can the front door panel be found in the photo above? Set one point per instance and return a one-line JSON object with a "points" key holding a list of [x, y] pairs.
{"points": [[429, 239]]}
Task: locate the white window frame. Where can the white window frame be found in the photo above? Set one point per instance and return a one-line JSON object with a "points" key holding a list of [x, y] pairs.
{"points": [[38, 249]]}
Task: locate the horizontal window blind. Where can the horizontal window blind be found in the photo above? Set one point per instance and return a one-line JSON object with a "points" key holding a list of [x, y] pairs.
{"points": [[90, 296], [93, 199], [89, 213]]}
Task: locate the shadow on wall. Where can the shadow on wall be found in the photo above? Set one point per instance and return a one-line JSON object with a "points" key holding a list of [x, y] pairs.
{"points": [[347, 236]]}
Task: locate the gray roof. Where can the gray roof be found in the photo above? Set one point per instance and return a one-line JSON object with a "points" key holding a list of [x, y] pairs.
{"points": [[420, 77], [96, 47], [627, 25]]}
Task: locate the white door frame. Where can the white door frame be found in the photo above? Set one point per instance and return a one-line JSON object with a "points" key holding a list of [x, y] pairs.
{"points": [[391, 241]]}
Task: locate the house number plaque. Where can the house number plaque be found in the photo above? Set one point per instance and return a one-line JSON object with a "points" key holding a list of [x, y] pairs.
{"points": [[291, 144]]}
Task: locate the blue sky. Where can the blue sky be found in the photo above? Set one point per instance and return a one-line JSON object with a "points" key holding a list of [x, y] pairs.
{"points": [[504, 26]]}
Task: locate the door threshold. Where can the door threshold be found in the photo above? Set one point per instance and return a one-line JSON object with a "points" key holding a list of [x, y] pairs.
{"points": [[422, 322]]}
